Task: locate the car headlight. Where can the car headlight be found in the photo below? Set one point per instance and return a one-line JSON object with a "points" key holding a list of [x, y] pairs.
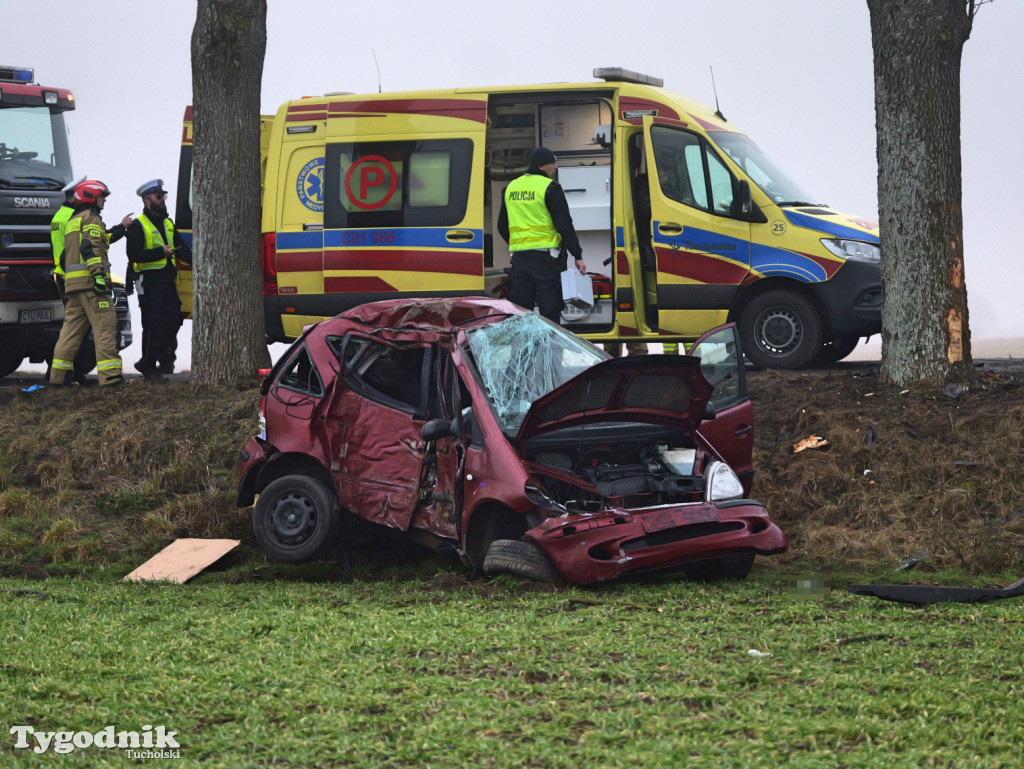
{"points": [[857, 250], [722, 483]]}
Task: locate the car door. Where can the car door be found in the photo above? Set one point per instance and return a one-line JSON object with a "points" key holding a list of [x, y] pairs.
{"points": [[703, 249], [731, 432], [376, 420]]}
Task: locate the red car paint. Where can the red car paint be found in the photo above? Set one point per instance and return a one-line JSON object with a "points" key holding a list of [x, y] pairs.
{"points": [[326, 418]]}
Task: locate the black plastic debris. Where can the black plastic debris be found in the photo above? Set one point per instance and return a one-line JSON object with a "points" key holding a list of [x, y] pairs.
{"points": [[926, 594]]}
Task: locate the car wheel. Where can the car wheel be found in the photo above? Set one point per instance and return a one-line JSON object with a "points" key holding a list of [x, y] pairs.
{"points": [[11, 356], [780, 329], [294, 518], [836, 350], [726, 567], [521, 558]]}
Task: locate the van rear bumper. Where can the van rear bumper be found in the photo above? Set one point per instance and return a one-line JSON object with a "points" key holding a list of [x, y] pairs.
{"points": [[852, 299]]}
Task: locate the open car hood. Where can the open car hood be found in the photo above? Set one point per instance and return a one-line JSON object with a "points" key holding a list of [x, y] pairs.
{"points": [[666, 390]]}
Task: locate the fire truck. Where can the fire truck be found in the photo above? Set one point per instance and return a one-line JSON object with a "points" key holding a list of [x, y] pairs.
{"points": [[35, 165]]}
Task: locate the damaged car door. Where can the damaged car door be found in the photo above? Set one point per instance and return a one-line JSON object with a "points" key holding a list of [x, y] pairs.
{"points": [[376, 419]]}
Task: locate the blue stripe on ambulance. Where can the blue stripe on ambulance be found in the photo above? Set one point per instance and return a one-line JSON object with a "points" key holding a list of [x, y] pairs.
{"points": [[829, 228]]}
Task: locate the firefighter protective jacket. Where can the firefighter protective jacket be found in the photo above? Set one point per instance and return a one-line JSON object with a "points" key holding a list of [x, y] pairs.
{"points": [[85, 251]]}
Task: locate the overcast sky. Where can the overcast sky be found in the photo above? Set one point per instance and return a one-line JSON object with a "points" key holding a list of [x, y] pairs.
{"points": [[796, 75]]}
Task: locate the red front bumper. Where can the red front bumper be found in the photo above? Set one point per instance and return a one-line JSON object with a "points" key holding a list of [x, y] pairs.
{"points": [[604, 546]]}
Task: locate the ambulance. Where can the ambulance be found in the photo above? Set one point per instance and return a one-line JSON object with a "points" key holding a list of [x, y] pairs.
{"points": [[684, 221]]}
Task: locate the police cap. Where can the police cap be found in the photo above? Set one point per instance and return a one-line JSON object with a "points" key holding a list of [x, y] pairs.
{"points": [[153, 185]]}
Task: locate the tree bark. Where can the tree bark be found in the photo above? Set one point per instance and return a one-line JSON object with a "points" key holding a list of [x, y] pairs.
{"points": [[229, 41], [917, 50]]}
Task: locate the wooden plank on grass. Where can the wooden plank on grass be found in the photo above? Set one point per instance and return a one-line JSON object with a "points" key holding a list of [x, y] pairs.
{"points": [[183, 559]]}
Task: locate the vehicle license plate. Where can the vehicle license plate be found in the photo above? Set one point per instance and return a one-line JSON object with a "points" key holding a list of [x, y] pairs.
{"points": [[669, 519], [35, 316]]}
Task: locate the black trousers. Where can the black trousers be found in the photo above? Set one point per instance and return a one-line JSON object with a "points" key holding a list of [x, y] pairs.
{"points": [[161, 319], [536, 280]]}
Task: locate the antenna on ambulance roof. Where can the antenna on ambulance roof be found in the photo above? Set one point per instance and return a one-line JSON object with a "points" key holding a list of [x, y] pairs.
{"points": [[379, 89], [713, 88]]}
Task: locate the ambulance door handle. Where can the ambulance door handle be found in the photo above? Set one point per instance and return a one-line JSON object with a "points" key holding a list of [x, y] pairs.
{"points": [[669, 228], [456, 236]]}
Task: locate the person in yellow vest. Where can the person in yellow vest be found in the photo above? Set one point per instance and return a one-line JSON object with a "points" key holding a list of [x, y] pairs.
{"points": [[535, 222], [58, 224], [154, 249], [87, 288]]}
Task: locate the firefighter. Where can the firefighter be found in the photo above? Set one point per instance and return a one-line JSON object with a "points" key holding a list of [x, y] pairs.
{"points": [[154, 249], [535, 222], [57, 227], [87, 288]]}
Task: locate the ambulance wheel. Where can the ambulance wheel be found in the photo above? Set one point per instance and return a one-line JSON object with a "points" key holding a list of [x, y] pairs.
{"points": [[836, 350], [780, 329], [520, 558], [294, 518]]}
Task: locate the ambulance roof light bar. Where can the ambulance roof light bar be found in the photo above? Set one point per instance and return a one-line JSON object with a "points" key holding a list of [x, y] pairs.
{"points": [[24, 75], [620, 75]]}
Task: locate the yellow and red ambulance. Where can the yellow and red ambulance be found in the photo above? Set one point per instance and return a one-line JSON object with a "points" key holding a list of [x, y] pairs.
{"points": [[685, 223]]}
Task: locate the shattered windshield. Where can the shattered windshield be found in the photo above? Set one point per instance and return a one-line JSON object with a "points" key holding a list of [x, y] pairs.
{"points": [[772, 180], [33, 149], [524, 357]]}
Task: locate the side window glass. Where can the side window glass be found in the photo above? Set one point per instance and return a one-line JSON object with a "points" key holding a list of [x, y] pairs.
{"points": [[396, 184], [721, 363], [678, 161], [721, 185], [300, 375], [389, 375]]}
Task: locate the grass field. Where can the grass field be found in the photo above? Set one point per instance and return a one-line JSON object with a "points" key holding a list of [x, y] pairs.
{"points": [[423, 667]]}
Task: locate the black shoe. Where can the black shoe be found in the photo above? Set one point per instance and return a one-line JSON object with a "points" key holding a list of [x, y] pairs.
{"points": [[165, 368], [149, 371], [84, 381]]}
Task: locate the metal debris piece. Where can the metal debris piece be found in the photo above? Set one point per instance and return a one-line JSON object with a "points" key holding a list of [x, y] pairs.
{"points": [[922, 595], [912, 561], [810, 442], [952, 391]]}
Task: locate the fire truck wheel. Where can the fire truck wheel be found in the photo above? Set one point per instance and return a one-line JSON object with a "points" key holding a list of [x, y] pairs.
{"points": [[520, 558], [11, 355], [780, 329], [293, 518]]}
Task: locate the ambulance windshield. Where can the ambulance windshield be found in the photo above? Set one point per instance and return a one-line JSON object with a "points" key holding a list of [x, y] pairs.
{"points": [[772, 180]]}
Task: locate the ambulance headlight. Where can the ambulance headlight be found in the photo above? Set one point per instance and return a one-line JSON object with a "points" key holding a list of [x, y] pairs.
{"points": [[857, 250], [721, 483]]}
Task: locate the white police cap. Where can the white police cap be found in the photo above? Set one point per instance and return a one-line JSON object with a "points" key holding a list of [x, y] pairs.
{"points": [[153, 185], [70, 186]]}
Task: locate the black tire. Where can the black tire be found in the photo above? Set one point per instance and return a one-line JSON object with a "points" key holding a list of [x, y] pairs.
{"points": [[780, 329], [836, 350], [520, 558], [726, 567], [294, 518], [11, 356]]}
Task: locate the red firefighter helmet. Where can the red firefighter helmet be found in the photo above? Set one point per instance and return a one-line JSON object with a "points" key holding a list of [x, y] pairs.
{"points": [[90, 191]]}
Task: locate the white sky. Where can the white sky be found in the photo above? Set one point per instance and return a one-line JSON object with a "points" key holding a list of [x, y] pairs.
{"points": [[796, 75]]}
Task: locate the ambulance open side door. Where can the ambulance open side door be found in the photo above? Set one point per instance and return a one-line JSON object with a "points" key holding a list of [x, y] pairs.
{"points": [[404, 203], [702, 244]]}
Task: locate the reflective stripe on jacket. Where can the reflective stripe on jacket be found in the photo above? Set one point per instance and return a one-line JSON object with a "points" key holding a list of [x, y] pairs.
{"points": [[155, 239], [529, 221]]}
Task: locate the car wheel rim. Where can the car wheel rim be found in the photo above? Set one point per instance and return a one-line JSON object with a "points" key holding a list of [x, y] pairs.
{"points": [[779, 331], [294, 519]]}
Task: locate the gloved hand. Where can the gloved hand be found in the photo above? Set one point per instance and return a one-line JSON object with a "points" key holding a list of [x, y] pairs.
{"points": [[99, 284]]}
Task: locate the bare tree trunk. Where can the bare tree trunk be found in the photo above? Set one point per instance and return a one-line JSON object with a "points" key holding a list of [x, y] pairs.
{"points": [[917, 50], [229, 41]]}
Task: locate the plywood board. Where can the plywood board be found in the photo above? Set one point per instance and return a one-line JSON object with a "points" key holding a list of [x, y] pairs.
{"points": [[183, 559]]}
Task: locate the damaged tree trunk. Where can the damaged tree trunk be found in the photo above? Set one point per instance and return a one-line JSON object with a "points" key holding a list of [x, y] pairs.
{"points": [[917, 50], [228, 45]]}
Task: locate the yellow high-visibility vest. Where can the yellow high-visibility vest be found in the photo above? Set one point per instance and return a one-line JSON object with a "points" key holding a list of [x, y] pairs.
{"points": [[155, 238], [529, 221]]}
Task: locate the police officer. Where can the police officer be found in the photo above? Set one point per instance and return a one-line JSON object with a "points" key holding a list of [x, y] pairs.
{"points": [[535, 222], [57, 227], [154, 249], [87, 288]]}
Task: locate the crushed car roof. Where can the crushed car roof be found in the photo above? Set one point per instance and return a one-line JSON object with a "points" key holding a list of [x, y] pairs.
{"points": [[429, 314]]}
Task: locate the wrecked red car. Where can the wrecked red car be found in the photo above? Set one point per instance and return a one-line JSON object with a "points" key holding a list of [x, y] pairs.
{"points": [[478, 428]]}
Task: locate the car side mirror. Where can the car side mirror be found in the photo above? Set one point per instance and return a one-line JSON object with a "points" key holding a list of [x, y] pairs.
{"points": [[710, 412], [440, 428], [744, 204]]}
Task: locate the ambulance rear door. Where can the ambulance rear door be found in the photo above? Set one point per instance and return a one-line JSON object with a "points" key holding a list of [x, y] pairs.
{"points": [[702, 246], [404, 199]]}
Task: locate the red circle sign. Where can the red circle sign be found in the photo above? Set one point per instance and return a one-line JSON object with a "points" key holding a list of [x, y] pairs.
{"points": [[370, 177]]}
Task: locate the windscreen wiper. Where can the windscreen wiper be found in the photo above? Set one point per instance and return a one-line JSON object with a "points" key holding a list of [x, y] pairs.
{"points": [[801, 203]]}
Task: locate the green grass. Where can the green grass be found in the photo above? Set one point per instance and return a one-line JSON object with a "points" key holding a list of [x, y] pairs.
{"points": [[421, 667]]}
